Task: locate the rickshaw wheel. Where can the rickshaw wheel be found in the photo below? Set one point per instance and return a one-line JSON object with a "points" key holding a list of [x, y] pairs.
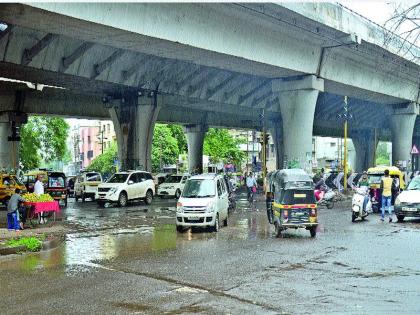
{"points": [[400, 218], [353, 217], [277, 229], [312, 230], [65, 202]]}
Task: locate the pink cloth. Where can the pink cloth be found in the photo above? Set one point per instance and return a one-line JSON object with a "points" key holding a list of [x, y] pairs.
{"points": [[50, 206]]}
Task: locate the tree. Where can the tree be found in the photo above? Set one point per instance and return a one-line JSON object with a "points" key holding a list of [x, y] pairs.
{"points": [[222, 147], [42, 139], [104, 163], [382, 156], [179, 134], [405, 22], [164, 147]]}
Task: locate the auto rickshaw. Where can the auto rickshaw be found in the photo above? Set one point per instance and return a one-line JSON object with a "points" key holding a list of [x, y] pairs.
{"points": [[375, 175], [54, 183], [291, 201], [8, 185]]}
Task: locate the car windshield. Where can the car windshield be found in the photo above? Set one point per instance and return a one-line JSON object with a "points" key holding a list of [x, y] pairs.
{"points": [[118, 178], [173, 179], [93, 177], [414, 184], [199, 188]]}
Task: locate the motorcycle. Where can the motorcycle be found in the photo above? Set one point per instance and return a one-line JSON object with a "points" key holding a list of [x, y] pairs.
{"points": [[325, 199], [357, 204]]}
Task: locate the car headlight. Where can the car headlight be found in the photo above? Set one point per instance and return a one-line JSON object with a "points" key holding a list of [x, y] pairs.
{"points": [[397, 202], [179, 208], [113, 190], [210, 207]]}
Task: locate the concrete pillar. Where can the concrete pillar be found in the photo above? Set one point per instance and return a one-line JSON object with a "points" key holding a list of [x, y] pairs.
{"points": [[365, 146], [9, 150], [297, 100], [416, 141], [402, 126], [275, 130], [195, 140], [134, 118]]}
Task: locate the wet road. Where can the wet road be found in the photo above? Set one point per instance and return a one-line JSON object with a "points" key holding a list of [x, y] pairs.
{"points": [[132, 260]]}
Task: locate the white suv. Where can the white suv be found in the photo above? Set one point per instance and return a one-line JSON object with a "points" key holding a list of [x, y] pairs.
{"points": [[173, 186], [123, 187], [204, 202]]}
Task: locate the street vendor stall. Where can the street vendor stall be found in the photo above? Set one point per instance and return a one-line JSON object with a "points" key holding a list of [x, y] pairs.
{"points": [[37, 205]]}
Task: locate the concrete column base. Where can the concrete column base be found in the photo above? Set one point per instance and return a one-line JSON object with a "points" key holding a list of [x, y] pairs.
{"points": [[9, 150], [195, 140], [402, 126], [275, 130], [297, 100], [365, 145], [134, 120]]}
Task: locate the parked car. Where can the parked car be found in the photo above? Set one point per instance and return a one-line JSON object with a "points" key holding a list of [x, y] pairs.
{"points": [[86, 185], [203, 202], [54, 183], [173, 186], [8, 185], [124, 187], [407, 203]]}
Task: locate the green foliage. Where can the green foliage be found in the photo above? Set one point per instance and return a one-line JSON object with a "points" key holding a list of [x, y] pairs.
{"points": [[104, 163], [179, 134], [164, 147], [222, 147], [32, 244], [382, 156], [42, 139]]}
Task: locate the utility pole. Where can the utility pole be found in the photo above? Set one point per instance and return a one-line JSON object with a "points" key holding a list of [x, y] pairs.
{"points": [[346, 117]]}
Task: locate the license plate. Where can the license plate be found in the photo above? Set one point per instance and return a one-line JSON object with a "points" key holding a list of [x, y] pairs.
{"points": [[193, 218], [409, 209], [298, 214]]}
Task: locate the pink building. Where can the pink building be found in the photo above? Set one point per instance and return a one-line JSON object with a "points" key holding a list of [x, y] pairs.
{"points": [[93, 139]]}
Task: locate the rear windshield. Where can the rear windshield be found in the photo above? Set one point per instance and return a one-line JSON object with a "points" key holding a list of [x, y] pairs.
{"points": [[375, 179], [297, 196], [93, 177], [173, 179], [54, 181]]}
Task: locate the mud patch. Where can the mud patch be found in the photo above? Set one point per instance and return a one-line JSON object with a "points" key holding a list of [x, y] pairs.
{"points": [[190, 309], [337, 263], [132, 306]]}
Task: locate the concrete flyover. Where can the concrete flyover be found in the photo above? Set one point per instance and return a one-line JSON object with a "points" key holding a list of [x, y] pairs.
{"points": [[231, 65]]}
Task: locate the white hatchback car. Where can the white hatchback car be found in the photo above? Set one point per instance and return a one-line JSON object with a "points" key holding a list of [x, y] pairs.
{"points": [[123, 187], [173, 186], [203, 202]]}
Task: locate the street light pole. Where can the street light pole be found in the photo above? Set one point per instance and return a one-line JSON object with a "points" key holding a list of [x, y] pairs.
{"points": [[345, 141]]}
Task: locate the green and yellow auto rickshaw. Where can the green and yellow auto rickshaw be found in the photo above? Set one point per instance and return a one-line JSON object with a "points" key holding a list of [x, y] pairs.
{"points": [[291, 201]]}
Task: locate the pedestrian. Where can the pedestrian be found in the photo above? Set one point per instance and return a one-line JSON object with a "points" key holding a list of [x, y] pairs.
{"points": [[39, 190], [13, 210], [251, 184], [386, 187]]}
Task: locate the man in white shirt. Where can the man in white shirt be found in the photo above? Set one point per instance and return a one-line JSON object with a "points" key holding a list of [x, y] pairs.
{"points": [[39, 190], [250, 184], [39, 186]]}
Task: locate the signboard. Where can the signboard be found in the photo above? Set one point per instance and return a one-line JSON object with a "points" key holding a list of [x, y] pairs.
{"points": [[414, 150]]}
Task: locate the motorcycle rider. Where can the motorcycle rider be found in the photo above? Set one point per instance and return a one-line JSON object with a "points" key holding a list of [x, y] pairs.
{"points": [[320, 189], [364, 182]]}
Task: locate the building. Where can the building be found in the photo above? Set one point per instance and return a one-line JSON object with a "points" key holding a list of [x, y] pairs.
{"points": [[87, 140]]}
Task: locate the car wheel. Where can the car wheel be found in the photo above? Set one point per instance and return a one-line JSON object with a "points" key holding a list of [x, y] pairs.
{"points": [[101, 204], [177, 194], [83, 197], [312, 230], [400, 218], [149, 197], [225, 221], [216, 225], [180, 229], [353, 217], [122, 199]]}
